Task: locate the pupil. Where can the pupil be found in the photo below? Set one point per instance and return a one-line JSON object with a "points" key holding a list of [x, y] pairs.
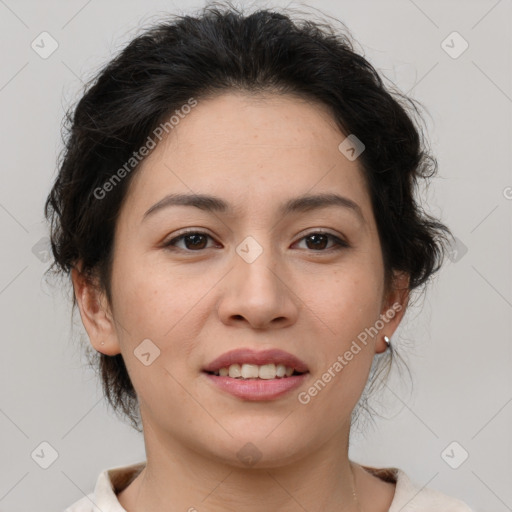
{"points": [[195, 239], [315, 243]]}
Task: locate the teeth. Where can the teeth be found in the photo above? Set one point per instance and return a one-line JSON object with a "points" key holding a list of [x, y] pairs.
{"points": [[281, 370], [253, 371], [250, 371], [267, 371], [234, 371]]}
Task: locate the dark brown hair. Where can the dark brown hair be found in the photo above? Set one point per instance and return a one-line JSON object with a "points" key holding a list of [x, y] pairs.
{"points": [[218, 50]]}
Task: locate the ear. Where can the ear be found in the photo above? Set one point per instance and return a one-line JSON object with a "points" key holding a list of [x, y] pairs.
{"points": [[95, 314], [393, 310]]}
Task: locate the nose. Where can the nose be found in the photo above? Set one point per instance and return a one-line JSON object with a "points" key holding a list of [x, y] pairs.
{"points": [[258, 294]]}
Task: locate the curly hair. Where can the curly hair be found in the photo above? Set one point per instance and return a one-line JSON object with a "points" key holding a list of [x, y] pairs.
{"points": [[221, 49]]}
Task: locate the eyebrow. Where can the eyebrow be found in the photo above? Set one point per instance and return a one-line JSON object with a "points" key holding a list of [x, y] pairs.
{"points": [[295, 205]]}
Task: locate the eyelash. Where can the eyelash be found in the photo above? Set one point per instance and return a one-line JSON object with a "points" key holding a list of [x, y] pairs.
{"points": [[339, 243]]}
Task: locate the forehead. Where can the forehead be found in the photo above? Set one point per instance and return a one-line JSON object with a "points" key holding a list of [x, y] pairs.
{"points": [[230, 120], [250, 148]]}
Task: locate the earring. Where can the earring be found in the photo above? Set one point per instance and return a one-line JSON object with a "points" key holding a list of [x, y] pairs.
{"points": [[387, 341], [102, 343]]}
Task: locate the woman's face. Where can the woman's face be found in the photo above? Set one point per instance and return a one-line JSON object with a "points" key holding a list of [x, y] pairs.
{"points": [[257, 277]]}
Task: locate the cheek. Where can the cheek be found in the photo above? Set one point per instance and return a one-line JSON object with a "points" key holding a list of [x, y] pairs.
{"points": [[168, 305], [157, 307], [345, 306], [350, 298], [347, 350], [150, 297]]}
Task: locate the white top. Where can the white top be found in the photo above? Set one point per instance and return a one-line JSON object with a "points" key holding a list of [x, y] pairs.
{"points": [[409, 497]]}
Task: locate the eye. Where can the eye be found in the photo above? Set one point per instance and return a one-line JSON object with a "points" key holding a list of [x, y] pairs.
{"points": [[319, 239], [193, 240], [197, 241]]}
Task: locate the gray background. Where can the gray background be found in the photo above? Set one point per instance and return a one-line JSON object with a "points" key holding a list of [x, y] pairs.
{"points": [[457, 341]]}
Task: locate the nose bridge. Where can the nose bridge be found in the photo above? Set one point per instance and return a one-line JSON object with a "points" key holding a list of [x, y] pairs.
{"points": [[256, 268], [256, 291]]}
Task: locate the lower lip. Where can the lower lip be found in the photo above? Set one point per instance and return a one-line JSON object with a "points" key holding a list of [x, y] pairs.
{"points": [[257, 389]]}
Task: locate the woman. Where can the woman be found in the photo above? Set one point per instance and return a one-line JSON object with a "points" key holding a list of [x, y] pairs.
{"points": [[235, 207]]}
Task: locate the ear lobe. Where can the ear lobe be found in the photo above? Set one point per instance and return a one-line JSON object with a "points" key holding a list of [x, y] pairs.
{"points": [[394, 308], [95, 314]]}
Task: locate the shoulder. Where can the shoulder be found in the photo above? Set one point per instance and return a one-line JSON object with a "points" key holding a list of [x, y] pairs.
{"points": [[109, 483], [411, 497]]}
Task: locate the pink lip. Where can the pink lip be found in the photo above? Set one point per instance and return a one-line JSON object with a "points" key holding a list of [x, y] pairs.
{"points": [[257, 389], [249, 356]]}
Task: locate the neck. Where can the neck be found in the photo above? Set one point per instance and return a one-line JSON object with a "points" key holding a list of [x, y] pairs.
{"points": [[179, 478]]}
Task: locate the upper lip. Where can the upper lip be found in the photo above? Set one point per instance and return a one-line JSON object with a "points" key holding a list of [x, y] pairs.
{"points": [[258, 357]]}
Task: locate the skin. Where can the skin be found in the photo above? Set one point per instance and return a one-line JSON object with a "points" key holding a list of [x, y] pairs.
{"points": [[195, 304]]}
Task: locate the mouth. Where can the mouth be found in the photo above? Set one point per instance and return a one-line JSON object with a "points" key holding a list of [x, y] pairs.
{"points": [[256, 388], [256, 375], [248, 371], [247, 363]]}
